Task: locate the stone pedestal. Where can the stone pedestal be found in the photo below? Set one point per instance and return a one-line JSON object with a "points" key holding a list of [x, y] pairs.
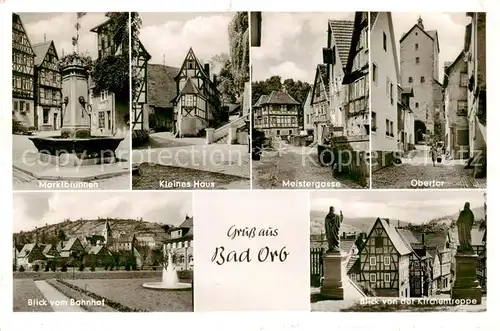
{"points": [[332, 287], [210, 135], [76, 120], [231, 134], [466, 285]]}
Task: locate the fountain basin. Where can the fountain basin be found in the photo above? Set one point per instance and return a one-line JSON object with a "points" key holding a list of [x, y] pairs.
{"points": [[77, 151], [168, 287]]}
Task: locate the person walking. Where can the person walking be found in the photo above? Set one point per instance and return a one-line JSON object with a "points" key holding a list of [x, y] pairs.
{"points": [[434, 154]]}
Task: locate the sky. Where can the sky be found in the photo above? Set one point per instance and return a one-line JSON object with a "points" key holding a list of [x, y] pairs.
{"points": [[412, 206], [60, 27], [37, 208], [292, 44], [170, 35], [450, 28]]}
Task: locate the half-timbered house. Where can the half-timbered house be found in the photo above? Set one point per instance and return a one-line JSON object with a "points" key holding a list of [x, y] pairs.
{"points": [[320, 101], [384, 261], [197, 104], [23, 74], [28, 254], [69, 247], [140, 112], [478, 238], [181, 242], [277, 115], [161, 91], [48, 115], [356, 105]]}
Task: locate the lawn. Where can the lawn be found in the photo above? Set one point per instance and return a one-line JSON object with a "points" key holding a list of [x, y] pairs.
{"points": [[150, 175], [24, 290], [130, 293]]}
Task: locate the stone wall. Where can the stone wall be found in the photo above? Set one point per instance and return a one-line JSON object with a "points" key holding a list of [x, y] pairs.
{"points": [[354, 150]]}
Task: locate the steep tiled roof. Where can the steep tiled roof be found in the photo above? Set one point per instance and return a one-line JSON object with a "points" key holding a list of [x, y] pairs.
{"points": [[67, 245], [41, 50], [397, 240], [162, 88], [189, 88], [323, 71], [26, 250], [261, 100], [188, 223], [346, 244], [409, 236], [280, 98], [342, 31], [46, 249]]}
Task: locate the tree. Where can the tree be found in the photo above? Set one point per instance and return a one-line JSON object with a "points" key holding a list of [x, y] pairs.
{"points": [[239, 52], [225, 82], [111, 72], [61, 235]]}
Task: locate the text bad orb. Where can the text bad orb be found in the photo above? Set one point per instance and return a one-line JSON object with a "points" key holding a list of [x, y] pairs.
{"points": [[264, 254]]}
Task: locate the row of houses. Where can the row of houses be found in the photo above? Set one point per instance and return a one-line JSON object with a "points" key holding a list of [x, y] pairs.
{"points": [[465, 93], [396, 262], [337, 103], [107, 248], [37, 97], [409, 101]]}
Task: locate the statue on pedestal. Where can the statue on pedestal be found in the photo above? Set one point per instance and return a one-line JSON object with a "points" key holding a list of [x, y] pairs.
{"points": [[464, 224], [332, 229]]}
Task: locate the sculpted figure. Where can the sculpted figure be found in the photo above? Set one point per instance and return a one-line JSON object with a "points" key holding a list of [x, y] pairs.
{"points": [[464, 224], [332, 229]]}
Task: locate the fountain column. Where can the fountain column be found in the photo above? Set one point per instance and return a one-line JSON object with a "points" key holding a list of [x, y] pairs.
{"points": [[76, 120]]}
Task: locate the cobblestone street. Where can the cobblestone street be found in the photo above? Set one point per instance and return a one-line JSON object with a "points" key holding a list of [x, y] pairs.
{"points": [[419, 173], [294, 164]]}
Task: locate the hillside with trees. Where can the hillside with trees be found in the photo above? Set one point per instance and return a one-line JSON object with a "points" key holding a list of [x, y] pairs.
{"points": [[54, 233]]}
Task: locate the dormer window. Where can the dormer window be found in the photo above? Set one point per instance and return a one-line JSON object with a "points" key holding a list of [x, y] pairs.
{"points": [[190, 64]]}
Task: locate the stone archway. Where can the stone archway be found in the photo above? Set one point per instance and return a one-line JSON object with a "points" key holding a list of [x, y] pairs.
{"points": [[420, 130]]}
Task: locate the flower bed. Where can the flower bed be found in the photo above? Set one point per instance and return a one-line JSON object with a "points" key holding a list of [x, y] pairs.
{"points": [[98, 274], [78, 296], [24, 291], [113, 304], [135, 296]]}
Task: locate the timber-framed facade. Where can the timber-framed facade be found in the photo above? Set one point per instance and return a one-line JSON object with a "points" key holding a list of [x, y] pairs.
{"points": [[23, 74], [197, 104], [48, 88]]}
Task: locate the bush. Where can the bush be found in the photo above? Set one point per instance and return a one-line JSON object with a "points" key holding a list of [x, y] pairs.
{"points": [[36, 268], [81, 267], [106, 267], [64, 268], [134, 267], [92, 268], [53, 267], [127, 267], [21, 269], [47, 268], [110, 267]]}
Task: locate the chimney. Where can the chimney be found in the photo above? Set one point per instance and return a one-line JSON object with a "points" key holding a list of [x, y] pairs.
{"points": [[420, 23], [207, 69], [187, 216]]}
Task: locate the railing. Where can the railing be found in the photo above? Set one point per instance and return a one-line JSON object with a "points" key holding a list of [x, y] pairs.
{"points": [[224, 130]]}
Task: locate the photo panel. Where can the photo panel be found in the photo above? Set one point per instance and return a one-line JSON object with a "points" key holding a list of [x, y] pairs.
{"points": [[70, 101], [398, 251], [252, 261], [130, 252], [191, 107], [428, 100], [310, 101]]}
